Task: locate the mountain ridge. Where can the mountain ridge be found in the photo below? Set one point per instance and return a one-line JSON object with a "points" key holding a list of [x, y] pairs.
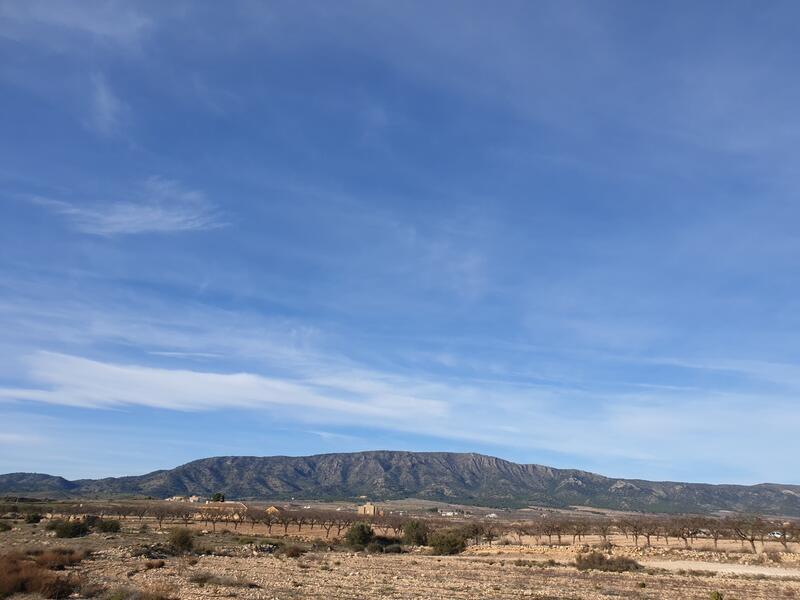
{"points": [[466, 478]]}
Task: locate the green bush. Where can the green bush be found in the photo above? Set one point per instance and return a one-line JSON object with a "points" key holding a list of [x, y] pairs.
{"points": [[448, 541], [415, 533], [109, 526], [4, 526], [31, 518], [91, 520], [601, 562], [717, 596], [374, 548], [68, 529], [182, 540], [359, 535]]}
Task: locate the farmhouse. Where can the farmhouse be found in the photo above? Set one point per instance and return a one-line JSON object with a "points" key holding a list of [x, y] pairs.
{"points": [[369, 510]]}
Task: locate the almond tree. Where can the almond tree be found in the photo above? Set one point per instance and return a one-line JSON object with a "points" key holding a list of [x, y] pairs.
{"points": [[749, 529]]}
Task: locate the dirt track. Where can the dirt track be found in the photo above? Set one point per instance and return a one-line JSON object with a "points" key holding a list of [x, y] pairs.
{"points": [[688, 565]]}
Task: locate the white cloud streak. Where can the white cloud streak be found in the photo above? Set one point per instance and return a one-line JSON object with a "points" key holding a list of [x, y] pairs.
{"points": [[105, 108], [164, 207], [108, 20], [15, 439], [637, 426], [76, 381]]}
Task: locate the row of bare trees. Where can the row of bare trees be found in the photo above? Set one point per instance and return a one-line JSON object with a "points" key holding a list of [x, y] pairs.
{"points": [[642, 529]]}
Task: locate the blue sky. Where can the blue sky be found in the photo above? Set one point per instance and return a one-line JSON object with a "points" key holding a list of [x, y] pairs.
{"points": [[555, 232]]}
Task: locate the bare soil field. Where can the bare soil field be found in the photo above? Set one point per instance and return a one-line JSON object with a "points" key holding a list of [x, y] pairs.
{"points": [[132, 565]]}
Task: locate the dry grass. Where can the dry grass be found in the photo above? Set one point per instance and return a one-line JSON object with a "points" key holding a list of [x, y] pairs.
{"points": [[56, 559], [152, 593], [20, 573], [204, 578], [292, 551], [600, 562]]}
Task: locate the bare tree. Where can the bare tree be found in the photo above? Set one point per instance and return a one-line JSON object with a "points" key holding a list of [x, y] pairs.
{"points": [[749, 529]]}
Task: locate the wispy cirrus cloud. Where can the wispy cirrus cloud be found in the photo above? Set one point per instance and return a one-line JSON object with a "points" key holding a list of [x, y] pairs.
{"points": [[164, 206], [105, 107], [104, 19], [9, 439]]}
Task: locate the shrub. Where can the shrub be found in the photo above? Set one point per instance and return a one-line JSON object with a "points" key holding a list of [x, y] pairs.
{"points": [[293, 551], [716, 595], [4, 526], [605, 546], [374, 548], [19, 574], [181, 540], [68, 529], [31, 518], [320, 544], [447, 541], [415, 533], [202, 578], [601, 562], [109, 526], [57, 558], [132, 594], [92, 520], [359, 535]]}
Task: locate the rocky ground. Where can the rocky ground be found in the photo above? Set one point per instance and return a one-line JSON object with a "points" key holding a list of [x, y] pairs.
{"points": [[127, 566]]}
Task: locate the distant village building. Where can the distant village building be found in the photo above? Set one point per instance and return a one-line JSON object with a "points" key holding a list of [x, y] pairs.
{"points": [[184, 499], [231, 510], [272, 510], [369, 510]]}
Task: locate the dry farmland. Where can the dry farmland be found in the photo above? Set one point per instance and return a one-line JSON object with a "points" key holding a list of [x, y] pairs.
{"points": [[140, 552]]}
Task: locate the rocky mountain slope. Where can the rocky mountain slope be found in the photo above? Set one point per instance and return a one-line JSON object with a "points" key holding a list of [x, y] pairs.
{"points": [[463, 478]]}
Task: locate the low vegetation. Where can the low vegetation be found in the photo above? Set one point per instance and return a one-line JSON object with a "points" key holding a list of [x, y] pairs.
{"points": [[292, 550], [415, 533], [68, 529], [109, 526], [204, 578], [181, 540], [32, 573], [359, 535], [448, 541], [598, 561], [127, 593]]}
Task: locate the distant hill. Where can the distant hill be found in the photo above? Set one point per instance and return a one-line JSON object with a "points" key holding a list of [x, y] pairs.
{"points": [[459, 478]]}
